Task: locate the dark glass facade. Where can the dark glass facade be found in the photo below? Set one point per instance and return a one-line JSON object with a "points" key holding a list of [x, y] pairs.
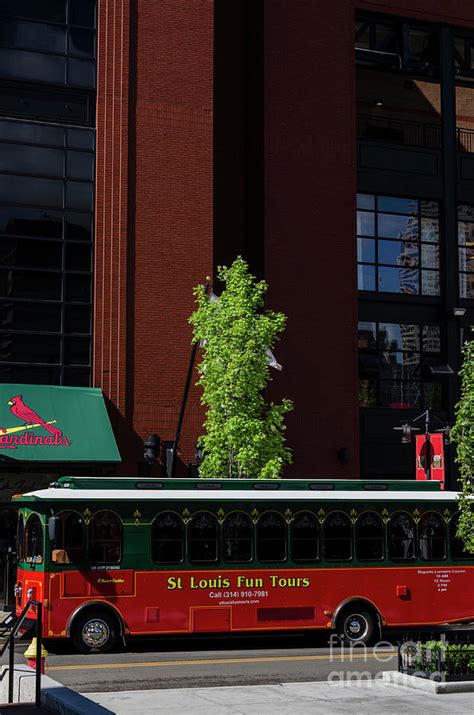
{"points": [[47, 158], [414, 228]]}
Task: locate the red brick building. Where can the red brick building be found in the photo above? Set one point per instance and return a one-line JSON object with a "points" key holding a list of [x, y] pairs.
{"points": [[249, 127]]}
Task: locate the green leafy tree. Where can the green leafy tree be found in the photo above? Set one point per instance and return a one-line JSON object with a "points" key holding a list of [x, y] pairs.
{"points": [[244, 435], [463, 435]]}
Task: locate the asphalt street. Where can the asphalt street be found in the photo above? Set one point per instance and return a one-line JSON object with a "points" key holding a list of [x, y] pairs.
{"points": [[208, 662]]}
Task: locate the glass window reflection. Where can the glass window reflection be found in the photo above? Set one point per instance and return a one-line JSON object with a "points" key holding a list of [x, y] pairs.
{"points": [[397, 239], [398, 280], [430, 230], [431, 338], [430, 282], [466, 285], [429, 208], [366, 277], [430, 256], [466, 251], [398, 253], [32, 36], [367, 335], [403, 227], [365, 224], [392, 204], [366, 201], [366, 250], [32, 66], [41, 223], [392, 357]]}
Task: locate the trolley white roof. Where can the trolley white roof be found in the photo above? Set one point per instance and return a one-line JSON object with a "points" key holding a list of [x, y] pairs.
{"points": [[237, 495]]}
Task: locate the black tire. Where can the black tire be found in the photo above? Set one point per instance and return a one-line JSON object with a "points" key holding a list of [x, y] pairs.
{"points": [[95, 631], [356, 625]]}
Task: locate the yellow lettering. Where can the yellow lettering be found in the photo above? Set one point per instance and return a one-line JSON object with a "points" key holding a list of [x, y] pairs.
{"points": [[174, 582], [249, 582]]}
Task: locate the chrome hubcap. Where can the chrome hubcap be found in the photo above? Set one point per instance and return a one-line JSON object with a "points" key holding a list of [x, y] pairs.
{"points": [[356, 627], [95, 633]]}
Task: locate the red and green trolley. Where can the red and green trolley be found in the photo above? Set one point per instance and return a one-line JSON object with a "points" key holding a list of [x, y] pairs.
{"points": [[116, 558]]}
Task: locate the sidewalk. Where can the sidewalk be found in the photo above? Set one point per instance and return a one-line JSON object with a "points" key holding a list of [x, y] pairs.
{"points": [[287, 699], [23, 710]]}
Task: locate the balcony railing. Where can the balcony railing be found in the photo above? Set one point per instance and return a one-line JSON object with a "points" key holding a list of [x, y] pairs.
{"points": [[408, 133]]}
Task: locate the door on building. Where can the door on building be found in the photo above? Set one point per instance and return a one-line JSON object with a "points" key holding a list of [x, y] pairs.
{"points": [[8, 522]]}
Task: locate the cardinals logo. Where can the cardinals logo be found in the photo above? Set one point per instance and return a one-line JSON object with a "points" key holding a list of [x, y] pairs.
{"points": [[11, 439]]}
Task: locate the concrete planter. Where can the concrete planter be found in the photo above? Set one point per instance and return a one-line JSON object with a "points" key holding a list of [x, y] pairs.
{"points": [[428, 685]]}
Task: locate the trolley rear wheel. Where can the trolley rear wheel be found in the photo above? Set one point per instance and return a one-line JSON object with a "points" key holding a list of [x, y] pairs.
{"points": [[356, 625]]}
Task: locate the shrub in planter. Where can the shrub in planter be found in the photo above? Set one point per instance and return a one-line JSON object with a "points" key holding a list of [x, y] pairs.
{"points": [[447, 658]]}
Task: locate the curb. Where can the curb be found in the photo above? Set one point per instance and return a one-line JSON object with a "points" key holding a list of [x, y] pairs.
{"points": [[54, 695], [428, 686]]}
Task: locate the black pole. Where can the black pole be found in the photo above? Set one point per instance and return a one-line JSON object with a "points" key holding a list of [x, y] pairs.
{"points": [[11, 668], [39, 636], [184, 400], [427, 445], [449, 227]]}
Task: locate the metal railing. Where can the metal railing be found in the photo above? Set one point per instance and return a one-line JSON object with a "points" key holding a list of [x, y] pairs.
{"points": [[434, 656], [10, 644], [465, 140], [409, 133]]}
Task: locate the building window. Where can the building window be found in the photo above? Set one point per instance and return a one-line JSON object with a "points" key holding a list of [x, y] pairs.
{"points": [[394, 365], [46, 211], [395, 45], [47, 74], [51, 42], [466, 250], [398, 245]]}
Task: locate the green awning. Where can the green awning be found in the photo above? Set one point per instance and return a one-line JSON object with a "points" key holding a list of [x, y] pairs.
{"points": [[44, 423]]}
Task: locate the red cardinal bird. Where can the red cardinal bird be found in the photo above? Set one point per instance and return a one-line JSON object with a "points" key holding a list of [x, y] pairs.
{"points": [[29, 416]]}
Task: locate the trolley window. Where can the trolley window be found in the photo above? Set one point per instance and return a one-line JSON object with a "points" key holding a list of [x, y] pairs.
{"points": [[105, 538], [167, 539], [237, 538]]}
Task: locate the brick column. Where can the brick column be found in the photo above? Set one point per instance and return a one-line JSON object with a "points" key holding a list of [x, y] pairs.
{"points": [[110, 285]]}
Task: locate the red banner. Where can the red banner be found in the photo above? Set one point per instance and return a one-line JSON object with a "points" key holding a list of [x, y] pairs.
{"points": [[435, 458]]}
